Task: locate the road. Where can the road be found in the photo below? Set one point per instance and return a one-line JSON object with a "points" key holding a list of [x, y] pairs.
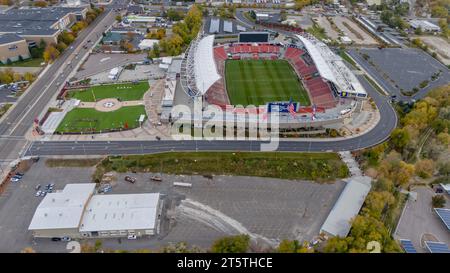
{"points": [[20, 119]]}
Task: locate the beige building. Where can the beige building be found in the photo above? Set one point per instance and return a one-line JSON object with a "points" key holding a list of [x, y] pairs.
{"points": [[77, 212], [13, 47], [36, 24]]}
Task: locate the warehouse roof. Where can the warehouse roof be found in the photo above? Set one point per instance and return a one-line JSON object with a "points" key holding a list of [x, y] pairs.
{"points": [[9, 38], [120, 212], [338, 222], [62, 209]]}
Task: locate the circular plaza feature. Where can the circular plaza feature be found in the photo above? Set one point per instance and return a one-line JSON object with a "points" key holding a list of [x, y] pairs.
{"points": [[108, 105]]}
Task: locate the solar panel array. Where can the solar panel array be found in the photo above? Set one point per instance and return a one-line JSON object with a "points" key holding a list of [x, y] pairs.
{"points": [[408, 246], [437, 247], [228, 26], [444, 214], [215, 25]]}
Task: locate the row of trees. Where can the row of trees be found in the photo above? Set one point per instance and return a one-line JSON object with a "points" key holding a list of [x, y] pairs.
{"points": [[9, 76], [183, 33], [65, 38]]}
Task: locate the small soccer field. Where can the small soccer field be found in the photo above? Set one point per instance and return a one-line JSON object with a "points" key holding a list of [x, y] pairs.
{"points": [[123, 92], [257, 82], [89, 120]]}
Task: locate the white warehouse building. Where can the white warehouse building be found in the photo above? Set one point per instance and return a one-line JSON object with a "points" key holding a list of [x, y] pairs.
{"points": [[77, 212]]}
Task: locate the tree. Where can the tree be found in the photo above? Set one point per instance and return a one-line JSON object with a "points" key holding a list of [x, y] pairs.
{"points": [[424, 168], [418, 31], [51, 53], [66, 37], [29, 77], [294, 246], [399, 138], [438, 201], [119, 18], [8, 61], [61, 46], [20, 58], [231, 244], [376, 202], [40, 4], [439, 11]]}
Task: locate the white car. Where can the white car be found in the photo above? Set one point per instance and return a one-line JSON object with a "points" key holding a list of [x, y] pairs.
{"points": [[38, 193], [14, 179], [132, 237], [66, 239]]}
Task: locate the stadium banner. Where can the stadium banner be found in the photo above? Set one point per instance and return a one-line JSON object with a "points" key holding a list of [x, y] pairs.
{"points": [[281, 107]]}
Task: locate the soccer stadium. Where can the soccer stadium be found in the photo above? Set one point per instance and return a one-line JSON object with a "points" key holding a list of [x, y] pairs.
{"points": [[304, 76]]}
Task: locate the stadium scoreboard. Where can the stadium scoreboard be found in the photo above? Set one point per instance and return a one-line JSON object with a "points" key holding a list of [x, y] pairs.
{"points": [[281, 107], [254, 37]]}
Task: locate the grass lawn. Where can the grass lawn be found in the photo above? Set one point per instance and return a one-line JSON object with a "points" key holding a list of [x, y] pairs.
{"points": [[124, 92], [347, 58], [257, 82], [4, 108], [32, 62], [89, 120], [310, 166]]}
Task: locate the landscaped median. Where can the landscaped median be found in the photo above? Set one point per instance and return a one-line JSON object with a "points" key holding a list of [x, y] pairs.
{"points": [[285, 165]]}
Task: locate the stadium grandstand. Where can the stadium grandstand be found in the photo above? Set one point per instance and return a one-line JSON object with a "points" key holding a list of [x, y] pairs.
{"points": [[332, 89]]}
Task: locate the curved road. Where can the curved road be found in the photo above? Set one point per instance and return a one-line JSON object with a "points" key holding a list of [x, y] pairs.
{"points": [[388, 121]]}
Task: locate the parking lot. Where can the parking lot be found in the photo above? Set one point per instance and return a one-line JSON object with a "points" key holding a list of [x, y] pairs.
{"points": [[419, 221], [267, 209], [397, 69], [7, 95]]}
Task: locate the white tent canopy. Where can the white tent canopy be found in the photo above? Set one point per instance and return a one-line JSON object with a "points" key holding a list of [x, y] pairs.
{"points": [[204, 66]]}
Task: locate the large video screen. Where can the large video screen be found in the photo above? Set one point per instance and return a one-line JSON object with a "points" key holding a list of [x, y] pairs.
{"points": [[253, 37]]}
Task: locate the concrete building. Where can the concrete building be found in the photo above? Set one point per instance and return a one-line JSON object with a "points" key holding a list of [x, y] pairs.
{"points": [[424, 25], [346, 208], [77, 212], [36, 24], [13, 47]]}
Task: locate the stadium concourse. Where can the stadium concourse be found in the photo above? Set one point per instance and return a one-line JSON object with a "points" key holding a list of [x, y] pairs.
{"points": [[334, 91]]}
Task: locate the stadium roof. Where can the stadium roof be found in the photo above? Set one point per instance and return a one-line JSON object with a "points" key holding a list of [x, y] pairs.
{"points": [[120, 212], [204, 66], [338, 222], [62, 209], [444, 214], [437, 247], [331, 66], [408, 246]]}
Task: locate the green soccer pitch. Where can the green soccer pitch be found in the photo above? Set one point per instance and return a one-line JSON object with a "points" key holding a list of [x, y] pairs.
{"points": [[123, 92], [257, 82]]}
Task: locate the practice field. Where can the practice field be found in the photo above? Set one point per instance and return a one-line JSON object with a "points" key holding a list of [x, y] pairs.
{"points": [[123, 92], [257, 82], [90, 120]]}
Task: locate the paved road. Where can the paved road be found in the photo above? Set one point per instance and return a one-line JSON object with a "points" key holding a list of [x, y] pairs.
{"points": [[14, 127]]}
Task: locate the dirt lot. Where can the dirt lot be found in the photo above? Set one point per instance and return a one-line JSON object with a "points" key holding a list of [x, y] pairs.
{"points": [[322, 21], [440, 46], [353, 31]]}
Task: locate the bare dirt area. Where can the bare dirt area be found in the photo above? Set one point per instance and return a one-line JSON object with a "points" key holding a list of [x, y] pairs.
{"points": [[440, 46], [353, 31]]}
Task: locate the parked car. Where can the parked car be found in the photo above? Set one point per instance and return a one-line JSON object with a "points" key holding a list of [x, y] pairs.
{"points": [[130, 179], [66, 239], [56, 239], [37, 194], [132, 237], [43, 193], [14, 179], [21, 174], [38, 186]]}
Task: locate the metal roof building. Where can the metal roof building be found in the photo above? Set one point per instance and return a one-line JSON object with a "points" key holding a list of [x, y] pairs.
{"points": [[444, 214], [77, 212], [338, 222], [109, 215], [61, 211]]}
